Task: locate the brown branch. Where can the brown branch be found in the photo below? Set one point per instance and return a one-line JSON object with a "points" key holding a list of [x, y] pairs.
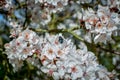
{"points": [[108, 50]]}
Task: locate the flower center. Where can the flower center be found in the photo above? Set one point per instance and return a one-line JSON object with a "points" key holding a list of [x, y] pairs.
{"points": [[73, 69], [50, 51], [59, 52]]}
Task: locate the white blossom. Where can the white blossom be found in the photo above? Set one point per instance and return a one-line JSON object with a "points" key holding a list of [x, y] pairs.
{"points": [[100, 23], [23, 46]]}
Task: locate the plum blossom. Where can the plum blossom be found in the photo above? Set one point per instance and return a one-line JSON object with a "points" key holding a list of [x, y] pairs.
{"points": [[16, 29], [53, 5], [53, 2], [54, 54], [23, 46], [100, 23], [75, 64], [59, 56], [84, 1]]}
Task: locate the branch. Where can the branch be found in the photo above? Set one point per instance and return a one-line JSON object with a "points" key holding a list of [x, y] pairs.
{"points": [[61, 30], [108, 50], [75, 35], [26, 16]]}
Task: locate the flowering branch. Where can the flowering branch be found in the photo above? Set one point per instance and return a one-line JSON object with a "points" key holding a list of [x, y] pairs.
{"points": [[75, 35], [62, 30], [52, 53]]}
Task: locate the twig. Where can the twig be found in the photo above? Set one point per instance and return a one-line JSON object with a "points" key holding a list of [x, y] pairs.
{"points": [[60, 30], [26, 16], [107, 50]]}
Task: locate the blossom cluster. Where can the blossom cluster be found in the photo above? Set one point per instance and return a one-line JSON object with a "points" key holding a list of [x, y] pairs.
{"points": [[62, 60], [59, 56], [101, 23], [52, 53], [22, 47]]}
